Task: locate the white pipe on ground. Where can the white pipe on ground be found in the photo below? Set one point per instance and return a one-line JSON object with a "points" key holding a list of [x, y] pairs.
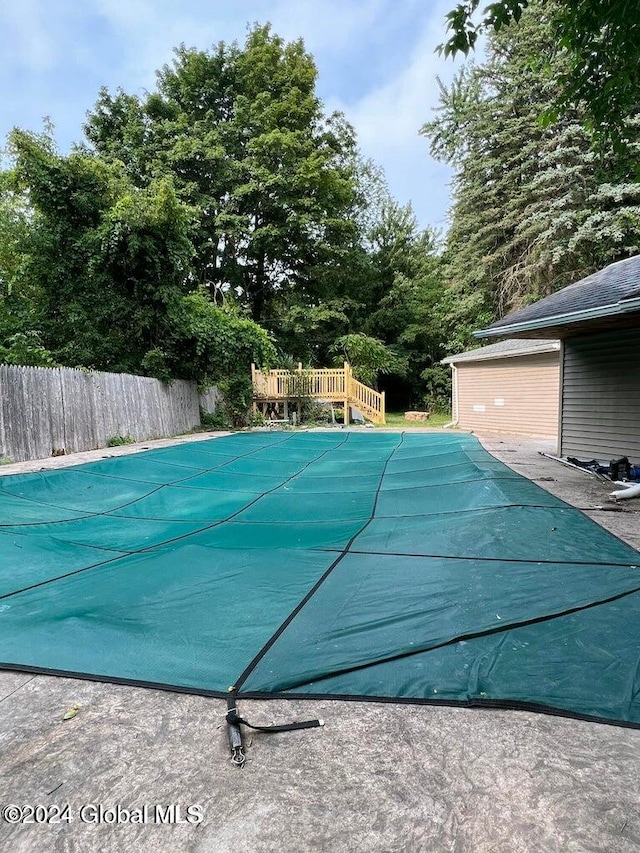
{"points": [[629, 491]]}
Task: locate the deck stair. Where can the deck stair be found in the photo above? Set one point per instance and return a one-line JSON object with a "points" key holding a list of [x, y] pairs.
{"points": [[330, 384]]}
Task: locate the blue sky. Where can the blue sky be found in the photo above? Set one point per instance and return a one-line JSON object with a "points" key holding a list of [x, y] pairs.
{"points": [[375, 59]]}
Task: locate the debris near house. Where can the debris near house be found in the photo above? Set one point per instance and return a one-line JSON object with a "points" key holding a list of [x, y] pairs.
{"points": [[620, 472], [592, 467], [416, 416], [613, 471], [628, 490]]}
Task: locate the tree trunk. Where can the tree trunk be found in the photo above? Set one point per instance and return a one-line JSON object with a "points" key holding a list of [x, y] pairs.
{"points": [[258, 297]]}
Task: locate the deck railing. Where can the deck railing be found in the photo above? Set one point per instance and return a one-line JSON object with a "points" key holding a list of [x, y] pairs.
{"points": [[334, 384]]}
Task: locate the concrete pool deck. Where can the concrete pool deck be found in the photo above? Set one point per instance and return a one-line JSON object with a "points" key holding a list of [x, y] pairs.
{"points": [[377, 777]]}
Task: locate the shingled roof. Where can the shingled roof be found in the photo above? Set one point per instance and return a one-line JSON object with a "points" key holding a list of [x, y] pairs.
{"points": [[503, 349], [608, 298]]}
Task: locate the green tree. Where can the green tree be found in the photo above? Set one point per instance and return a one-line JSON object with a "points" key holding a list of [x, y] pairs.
{"points": [[307, 330], [401, 305], [528, 216], [245, 139], [598, 40], [369, 357], [384, 297], [106, 260], [104, 278], [210, 343], [20, 339]]}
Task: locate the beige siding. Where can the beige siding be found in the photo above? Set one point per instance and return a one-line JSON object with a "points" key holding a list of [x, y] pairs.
{"points": [[517, 395], [601, 396]]}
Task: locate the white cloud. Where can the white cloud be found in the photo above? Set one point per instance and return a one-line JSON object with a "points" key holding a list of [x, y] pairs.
{"points": [[388, 120], [328, 26], [61, 51], [152, 28]]}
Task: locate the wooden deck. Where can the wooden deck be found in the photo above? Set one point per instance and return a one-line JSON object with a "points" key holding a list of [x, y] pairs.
{"points": [[330, 384]]}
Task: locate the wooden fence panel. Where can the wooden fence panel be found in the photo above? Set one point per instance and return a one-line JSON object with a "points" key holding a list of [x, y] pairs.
{"points": [[44, 410], [210, 400], [78, 410]]}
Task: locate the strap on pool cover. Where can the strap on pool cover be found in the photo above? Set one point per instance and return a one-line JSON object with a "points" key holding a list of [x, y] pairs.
{"points": [[234, 721]]}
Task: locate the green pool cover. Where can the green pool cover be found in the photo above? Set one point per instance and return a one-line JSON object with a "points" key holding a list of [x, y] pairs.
{"points": [[403, 567]]}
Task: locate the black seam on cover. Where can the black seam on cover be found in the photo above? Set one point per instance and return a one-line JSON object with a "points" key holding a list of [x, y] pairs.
{"points": [[66, 575], [27, 524], [109, 513], [112, 679], [341, 518], [157, 487], [454, 483], [212, 522], [482, 704], [305, 522], [448, 466], [182, 536], [471, 509], [472, 635], [591, 521], [475, 558], [256, 660]]}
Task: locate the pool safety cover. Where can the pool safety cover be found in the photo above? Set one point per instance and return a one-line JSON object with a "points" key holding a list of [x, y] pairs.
{"points": [[380, 566]]}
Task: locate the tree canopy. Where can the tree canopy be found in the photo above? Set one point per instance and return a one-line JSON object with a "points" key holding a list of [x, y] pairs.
{"points": [[600, 40], [220, 219], [535, 207], [95, 271], [245, 139]]}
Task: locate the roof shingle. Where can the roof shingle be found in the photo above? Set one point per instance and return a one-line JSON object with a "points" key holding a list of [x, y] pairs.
{"points": [[616, 283], [504, 349]]}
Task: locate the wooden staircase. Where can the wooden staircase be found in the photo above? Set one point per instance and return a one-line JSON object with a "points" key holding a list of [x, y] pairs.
{"points": [[333, 385]]}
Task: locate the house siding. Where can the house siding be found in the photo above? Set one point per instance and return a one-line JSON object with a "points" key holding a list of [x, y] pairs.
{"points": [[516, 395], [601, 396]]}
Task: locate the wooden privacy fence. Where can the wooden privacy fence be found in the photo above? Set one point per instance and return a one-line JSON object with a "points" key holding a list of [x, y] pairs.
{"points": [[47, 410], [333, 384]]}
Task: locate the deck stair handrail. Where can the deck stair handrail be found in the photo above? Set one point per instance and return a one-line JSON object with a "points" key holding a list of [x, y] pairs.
{"points": [[333, 384]]}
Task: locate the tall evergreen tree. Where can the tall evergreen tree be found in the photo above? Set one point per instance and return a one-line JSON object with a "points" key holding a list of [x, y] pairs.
{"points": [[597, 41], [527, 216]]}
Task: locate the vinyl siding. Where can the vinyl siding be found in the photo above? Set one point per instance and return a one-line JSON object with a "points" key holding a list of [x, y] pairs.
{"points": [[601, 396], [528, 387]]}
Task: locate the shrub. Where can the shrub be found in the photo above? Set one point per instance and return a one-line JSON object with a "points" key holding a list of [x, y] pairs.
{"points": [[119, 440]]}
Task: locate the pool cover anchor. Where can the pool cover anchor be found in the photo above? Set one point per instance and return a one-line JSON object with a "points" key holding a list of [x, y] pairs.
{"points": [[235, 721], [238, 756]]}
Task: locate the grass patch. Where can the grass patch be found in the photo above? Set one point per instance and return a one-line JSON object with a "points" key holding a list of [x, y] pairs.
{"points": [[119, 440], [397, 419]]}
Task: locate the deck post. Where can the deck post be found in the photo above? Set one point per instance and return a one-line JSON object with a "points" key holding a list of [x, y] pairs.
{"points": [[382, 407], [347, 390], [254, 405], [347, 379]]}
